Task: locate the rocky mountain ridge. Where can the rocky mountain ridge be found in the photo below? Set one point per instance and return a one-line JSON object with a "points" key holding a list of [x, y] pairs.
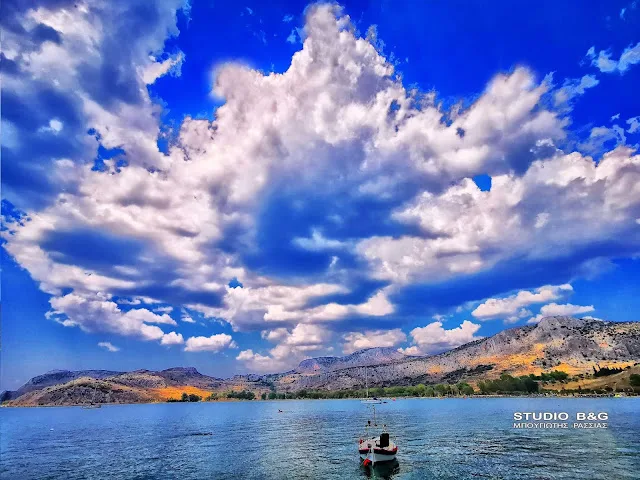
{"points": [[63, 387], [563, 343], [55, 377], [556, 343], [367, 356]]}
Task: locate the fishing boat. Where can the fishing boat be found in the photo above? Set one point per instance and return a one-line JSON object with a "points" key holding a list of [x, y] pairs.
{"points": [[374, 448], [367, 400]]}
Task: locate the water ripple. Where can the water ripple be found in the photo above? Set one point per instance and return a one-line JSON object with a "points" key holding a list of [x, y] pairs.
{"points": [[450, 439]]}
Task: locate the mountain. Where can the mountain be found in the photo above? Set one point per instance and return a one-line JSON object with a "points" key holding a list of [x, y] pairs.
{"points": [[84, 390], [140, 386], [556, 343], [569, 344], [171, 377], [368, 356], [54, 377]]}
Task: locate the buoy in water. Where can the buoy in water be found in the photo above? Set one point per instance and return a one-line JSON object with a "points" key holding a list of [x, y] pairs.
{"points": [[366, 462]]}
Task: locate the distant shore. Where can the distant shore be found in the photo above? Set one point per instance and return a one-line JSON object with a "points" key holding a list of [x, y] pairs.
{"points": [[384, 400]]}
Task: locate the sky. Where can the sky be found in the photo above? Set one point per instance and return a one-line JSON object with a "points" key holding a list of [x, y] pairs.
{"points": [[237, 187]]}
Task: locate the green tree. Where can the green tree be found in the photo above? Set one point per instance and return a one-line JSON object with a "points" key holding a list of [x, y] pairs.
{"points": [[398, 391], [464, 389], [194, 398], [273, 395], [530, 385], [243, 395], [634, 380], [263, 396], [441, 390], [185, 397], [606, 371], [558, 375]]}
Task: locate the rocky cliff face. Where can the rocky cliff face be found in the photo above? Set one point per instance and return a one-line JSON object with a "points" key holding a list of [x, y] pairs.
{"points": [[563, 343]]}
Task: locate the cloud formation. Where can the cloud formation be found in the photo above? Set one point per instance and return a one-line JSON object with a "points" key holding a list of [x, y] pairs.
{"points": [[100, 314], [292, 346], [433, 338], [604, 62], [108, 346], [372, 338], [511, 308], [326, 193], [214, 343], [172, 338], [65, 72], [573, 88], [553, 309]]}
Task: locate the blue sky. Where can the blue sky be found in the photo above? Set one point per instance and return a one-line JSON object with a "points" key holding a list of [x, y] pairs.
{"points": [[194, 185]]}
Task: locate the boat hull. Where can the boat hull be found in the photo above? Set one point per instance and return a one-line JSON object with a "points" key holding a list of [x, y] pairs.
{"points": [[372, 451], [378, 457]]}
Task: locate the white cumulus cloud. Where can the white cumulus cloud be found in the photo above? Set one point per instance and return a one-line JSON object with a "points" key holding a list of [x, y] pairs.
{"points": [[433, 338], [292, 346], [372, 338], [512, 305], [553, 309], [108, 346], [172, 338], [377, 177], [214, 343]]}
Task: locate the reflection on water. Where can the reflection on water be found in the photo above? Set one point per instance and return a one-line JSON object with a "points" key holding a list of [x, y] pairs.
{"points": [[316, 439], [384, 470]]}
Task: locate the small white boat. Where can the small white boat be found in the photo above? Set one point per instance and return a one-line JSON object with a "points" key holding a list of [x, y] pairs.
{"points": [[376, 449], [367, 400]]}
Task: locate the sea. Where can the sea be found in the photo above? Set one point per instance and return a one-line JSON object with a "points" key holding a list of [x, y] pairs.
{"points": [[453, 438]]}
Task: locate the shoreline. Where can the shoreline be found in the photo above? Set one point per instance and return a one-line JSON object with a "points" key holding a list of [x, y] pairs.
{"points": [[388, 400]]}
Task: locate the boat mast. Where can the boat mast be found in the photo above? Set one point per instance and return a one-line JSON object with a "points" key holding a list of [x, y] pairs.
{"points": [[366, 381]]}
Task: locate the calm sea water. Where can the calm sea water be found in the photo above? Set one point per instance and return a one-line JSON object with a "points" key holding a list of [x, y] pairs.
{"points": [[440, 439]]}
